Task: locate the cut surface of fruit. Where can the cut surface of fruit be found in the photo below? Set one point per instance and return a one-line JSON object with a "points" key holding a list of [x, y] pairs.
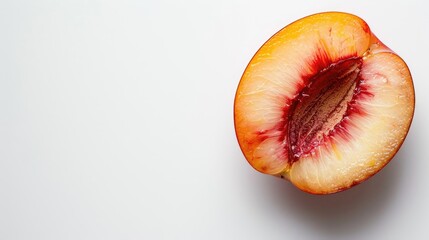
{"points": [[323, 104]]}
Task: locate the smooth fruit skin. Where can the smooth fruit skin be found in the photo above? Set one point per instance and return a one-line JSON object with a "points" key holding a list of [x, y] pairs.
{"points": [[370, 131]]}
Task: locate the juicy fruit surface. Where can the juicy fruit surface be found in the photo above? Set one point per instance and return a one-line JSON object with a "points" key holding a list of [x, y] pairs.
{"points": [[323, 103]]}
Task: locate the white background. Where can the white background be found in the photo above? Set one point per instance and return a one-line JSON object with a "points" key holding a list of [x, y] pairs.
{"points": [[116, 122]]}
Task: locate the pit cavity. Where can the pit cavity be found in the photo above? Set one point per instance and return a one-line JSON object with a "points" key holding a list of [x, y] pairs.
{"points": [[321, 106]]}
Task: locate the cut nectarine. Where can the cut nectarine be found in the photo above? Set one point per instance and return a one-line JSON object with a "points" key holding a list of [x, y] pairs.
{"points": [[323, 104]]}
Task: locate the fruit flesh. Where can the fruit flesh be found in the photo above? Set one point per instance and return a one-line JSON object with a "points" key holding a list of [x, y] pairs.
{"points": [[323, 104]]}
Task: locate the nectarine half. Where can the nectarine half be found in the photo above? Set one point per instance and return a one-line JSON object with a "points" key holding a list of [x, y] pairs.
{"points": [[323, 104]]}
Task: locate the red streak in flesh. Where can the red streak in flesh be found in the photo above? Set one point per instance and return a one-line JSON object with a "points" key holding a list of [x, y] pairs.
{"points": [[322, 107]]}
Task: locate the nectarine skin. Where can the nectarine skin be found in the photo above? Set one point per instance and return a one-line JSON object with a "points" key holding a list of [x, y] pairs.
{"points": [[323, 104]]}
